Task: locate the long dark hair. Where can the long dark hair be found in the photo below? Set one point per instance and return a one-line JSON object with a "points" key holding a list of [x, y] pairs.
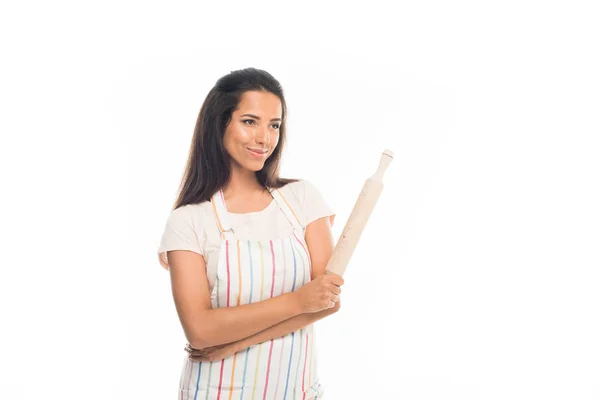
{"points": [[208, 167]]}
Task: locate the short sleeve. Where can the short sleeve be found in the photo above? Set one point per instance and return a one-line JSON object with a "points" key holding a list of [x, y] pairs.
{"points": [[180, 233], [314, 204]]}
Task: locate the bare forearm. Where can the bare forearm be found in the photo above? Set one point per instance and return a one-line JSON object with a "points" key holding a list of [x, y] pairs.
{"points": [[229, 324], [285, 327]]}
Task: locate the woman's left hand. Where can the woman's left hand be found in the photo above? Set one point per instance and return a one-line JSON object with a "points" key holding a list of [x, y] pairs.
{"points": [[212, 353]]}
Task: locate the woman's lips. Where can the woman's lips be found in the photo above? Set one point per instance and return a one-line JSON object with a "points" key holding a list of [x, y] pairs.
{"points": [[256, 153]]}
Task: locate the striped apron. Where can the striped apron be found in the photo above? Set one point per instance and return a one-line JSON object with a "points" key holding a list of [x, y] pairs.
{"points": [[251, 271]]}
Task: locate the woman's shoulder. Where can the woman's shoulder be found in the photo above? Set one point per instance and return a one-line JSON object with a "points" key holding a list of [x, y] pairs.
{"points": [[191, 208], [300, 188], [305, 197], [195, 212], [295, 189], [184, 230], [301, 192], [296, 186]]}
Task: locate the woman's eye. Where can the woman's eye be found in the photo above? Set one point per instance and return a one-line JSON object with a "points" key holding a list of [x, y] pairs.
{"points": [[276, 126]]}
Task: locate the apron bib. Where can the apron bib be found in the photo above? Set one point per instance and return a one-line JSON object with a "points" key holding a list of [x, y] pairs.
{"points": [[250, 271]]}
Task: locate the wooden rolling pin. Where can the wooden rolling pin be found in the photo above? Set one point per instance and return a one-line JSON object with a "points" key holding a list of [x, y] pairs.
{"points": [[358, 218]]}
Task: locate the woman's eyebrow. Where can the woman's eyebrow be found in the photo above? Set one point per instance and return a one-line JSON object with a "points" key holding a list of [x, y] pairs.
{"points": [[254, 116]]}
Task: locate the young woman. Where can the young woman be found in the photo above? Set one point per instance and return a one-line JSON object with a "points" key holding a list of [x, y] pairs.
{"points": [[246, 251]]}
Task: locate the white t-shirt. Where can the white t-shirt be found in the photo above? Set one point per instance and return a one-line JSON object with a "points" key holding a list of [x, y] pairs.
{"points": [[194, 226]]}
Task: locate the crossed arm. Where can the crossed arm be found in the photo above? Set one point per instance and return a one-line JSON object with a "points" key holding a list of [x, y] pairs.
{"points": [[283, 328], [319, 240]]}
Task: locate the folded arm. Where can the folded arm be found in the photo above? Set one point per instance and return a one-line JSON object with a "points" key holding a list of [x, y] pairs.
{"points": [[319, 241], [206, 327], [320, 245]]}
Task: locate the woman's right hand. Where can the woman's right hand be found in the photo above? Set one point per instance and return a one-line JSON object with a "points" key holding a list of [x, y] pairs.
{"points": [[320, 293]]}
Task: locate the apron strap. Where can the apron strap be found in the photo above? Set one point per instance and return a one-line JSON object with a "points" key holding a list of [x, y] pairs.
{"points": [[287, 209], [223, 222]]}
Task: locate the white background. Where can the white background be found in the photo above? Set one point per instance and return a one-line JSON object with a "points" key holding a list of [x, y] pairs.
{"points": [[477, 276]]}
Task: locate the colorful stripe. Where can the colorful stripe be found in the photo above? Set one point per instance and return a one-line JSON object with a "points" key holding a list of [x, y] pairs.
{"points": [[273, 262], [283, 337], [287, 379], [251, 274], [271, 348], [304, 281], [232, 376], [294, 255], [238, 303], [301, 334], [262, 286], [256, 371], [303, 330], [289, 207], [239, 273], [279, 366], [312, 344], [284, 267], [221, 229], [262, 268], [228, 295], [198, 380], [268, 370], [298, 377], [249, 301], [304, 369], [218, 295], [244, 377], [228, 273], [306, 252], [294, 250]]}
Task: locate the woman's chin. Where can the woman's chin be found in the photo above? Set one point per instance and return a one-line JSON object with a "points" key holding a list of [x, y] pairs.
{"points": [[254, 166]]}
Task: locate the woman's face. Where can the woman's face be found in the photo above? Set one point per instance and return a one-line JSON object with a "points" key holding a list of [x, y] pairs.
{"points": [[254, 125]]}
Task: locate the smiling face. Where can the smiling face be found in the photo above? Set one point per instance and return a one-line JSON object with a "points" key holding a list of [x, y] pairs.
{"points": [[254, 125]]}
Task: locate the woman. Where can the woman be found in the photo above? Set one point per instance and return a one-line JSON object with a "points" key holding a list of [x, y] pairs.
{"points": [[247, 251]]}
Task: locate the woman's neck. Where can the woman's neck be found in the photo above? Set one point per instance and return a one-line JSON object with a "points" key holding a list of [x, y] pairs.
{"points": [[244, 184]]}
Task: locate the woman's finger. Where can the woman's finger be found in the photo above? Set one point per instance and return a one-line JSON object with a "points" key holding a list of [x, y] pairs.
{"points": [[200, 358], [199, 353]]}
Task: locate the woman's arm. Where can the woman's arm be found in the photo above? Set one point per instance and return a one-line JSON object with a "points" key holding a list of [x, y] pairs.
{"points": [[274, 332], [319, 240], [206, 327], [286, 327]]}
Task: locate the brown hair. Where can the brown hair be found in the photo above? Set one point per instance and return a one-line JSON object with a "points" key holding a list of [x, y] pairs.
{"points": [[208, 167]]}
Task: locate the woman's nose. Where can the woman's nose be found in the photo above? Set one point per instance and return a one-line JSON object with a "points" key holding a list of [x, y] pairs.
{"points": [[263, 136]]}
